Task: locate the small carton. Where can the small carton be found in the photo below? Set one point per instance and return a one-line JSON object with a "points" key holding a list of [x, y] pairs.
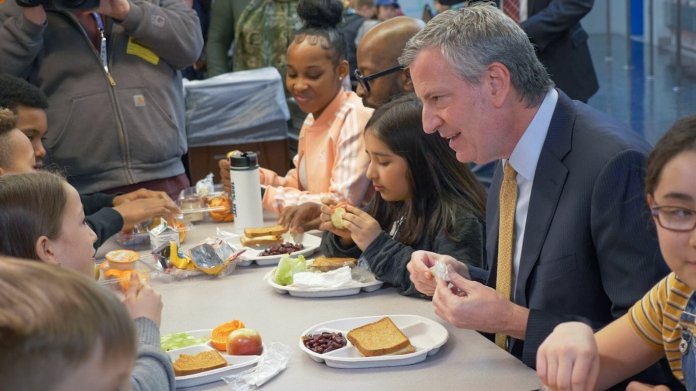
{"points": [[163, 234]]}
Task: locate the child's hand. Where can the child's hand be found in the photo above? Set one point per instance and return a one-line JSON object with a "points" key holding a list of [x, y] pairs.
{"points": [[363, 228], [327, 205], [142, 300]]}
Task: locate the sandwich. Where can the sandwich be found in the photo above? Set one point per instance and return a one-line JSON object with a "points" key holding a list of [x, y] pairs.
{"points": [[188, 364], [325, 264], [263, 235], [337, 213], [380, 338]]}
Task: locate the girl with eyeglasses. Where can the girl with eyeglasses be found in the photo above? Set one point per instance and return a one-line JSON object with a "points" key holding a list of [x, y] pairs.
{"points": [[425, 200], [663, 322]]}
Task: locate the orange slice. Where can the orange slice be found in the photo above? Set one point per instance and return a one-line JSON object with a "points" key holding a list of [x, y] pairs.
{"points": [[218, 337]]}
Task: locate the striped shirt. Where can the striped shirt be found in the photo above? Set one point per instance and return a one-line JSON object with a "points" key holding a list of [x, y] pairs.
{"points": [[331, 150], [655, 318]]}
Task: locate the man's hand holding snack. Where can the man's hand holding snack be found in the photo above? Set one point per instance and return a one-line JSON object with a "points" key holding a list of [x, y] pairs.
{"points": [[420, 267], [478, 307]]}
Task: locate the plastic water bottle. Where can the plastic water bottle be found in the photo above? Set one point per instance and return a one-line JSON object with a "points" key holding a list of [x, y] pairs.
{"points": [[246, 190]]}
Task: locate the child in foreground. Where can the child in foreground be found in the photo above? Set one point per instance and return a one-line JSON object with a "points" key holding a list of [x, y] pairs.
{"points": [[426, 200], [42, 219], [663, 322], [61, 331]]}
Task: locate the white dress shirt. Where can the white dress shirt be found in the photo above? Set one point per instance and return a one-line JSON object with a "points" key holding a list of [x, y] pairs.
{"points": [[524, 159]]}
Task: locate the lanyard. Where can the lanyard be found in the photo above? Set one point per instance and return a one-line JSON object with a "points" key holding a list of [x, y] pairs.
{"points": [[102, 42]]}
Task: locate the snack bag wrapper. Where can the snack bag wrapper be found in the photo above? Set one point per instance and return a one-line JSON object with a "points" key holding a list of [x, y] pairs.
{"points": [[213, 256], [273, 360]]}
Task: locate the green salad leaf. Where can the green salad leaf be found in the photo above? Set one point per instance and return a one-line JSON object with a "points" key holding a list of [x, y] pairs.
{"points": [[179, 340], [287, 267]]}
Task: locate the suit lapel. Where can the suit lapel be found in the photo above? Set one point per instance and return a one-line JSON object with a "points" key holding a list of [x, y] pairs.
{"points": [[549, 180]]}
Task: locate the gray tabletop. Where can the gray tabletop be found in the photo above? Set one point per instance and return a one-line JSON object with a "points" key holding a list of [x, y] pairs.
{"points": [[467, 361]]}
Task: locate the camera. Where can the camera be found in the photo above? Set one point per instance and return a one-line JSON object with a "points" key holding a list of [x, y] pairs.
{"points": [[61, 4]]}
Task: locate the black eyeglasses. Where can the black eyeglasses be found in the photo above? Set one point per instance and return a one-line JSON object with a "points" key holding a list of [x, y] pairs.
{"points": [[675, 218], [365, 80]]}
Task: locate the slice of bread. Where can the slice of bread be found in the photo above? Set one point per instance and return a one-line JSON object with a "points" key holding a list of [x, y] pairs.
{"points": [[273, 230], [261, 240], [188, 364], [380, 338], [325, 264]]}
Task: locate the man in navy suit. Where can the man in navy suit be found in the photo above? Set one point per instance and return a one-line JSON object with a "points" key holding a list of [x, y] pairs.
{"points": [[583, 248]]}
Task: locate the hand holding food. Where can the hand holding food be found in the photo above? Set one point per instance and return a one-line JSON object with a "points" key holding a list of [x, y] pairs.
{"points": [[328, 210], [244, 342], [364, 229], [142, 301], [419, 268]]}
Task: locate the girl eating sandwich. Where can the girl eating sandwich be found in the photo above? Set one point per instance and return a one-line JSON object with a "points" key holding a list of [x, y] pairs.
{"points": [[426, 200]]}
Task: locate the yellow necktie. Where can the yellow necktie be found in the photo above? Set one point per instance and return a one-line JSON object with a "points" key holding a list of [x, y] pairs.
{"points": [[506, 237]]}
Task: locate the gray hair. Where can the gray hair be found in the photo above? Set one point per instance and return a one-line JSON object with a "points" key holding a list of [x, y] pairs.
{"points": [[476, 36]]}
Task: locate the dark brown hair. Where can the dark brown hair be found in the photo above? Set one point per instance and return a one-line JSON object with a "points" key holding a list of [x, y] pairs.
{"points": [[52, 320], [679, 138], [440, 185], [31, 206]]}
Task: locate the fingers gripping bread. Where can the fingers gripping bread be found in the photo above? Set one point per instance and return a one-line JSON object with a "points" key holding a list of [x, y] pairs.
{"points": [[380, 338]]}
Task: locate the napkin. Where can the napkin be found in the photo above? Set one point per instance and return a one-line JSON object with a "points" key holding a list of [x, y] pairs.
{"points": [[337, 278], [273, 360]]}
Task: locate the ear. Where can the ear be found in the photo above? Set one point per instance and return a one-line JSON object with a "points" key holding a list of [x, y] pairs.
{"points": [[44, 250], [406, 82], [651, 201], [343, 69], [496, 81]]}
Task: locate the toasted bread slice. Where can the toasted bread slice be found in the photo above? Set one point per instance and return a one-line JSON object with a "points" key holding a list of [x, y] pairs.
{"points": [[380, 338], [261, 240], [188, 364], [274, 230], [325, 264]]}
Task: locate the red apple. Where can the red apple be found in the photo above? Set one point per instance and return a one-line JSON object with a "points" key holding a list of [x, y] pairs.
{"points": [[244, 342]]}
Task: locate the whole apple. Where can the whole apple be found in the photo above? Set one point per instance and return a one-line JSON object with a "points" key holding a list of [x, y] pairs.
{"points": [[244, 342]]}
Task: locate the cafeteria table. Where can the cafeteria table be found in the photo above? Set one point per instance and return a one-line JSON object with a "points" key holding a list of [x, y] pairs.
{"points": [[467, 361]]}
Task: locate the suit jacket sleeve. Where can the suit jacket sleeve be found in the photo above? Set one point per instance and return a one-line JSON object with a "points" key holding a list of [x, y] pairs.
{"points": [[555, 19], [625, 244]]}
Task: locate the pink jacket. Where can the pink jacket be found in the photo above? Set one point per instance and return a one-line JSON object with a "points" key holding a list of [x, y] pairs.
{"points": [[335, 159]]}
